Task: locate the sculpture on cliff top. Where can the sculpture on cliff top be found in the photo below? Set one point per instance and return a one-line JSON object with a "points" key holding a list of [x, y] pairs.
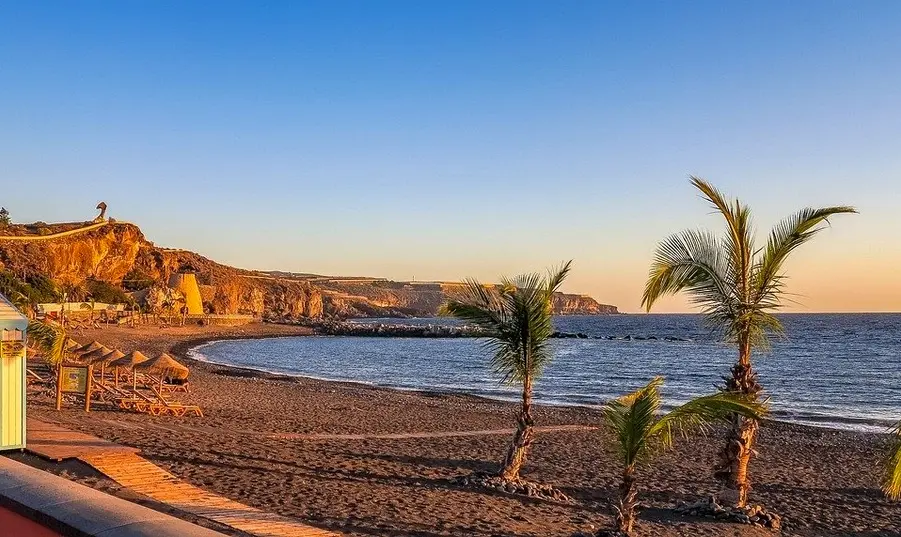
{"points": [[102, 215]]}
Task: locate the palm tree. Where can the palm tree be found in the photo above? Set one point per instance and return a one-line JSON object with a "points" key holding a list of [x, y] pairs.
{"points": [[738, 287], [516, 316], [641, 432], [891, 484]]}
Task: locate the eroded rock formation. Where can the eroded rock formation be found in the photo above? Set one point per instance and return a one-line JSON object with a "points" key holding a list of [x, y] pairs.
{"points": [[118, 253]]}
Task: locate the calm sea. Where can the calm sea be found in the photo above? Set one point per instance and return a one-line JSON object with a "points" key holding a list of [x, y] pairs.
{"points": [[832, 370]]}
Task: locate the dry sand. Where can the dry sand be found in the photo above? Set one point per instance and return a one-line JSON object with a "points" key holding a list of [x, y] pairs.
{"points": [[265, 441]]}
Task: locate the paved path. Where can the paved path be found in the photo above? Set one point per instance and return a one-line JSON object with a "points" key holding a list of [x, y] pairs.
{"points": [[197, 428], [52, 236], [438, 434]]}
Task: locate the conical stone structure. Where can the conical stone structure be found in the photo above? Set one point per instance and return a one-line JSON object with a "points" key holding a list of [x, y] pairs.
{"points": [[186, 284]]}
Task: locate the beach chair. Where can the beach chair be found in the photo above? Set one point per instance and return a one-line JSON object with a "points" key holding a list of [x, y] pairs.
{"points": [[34, 377], [152, 406], [153, 381], [176, 408], [122, 399]]}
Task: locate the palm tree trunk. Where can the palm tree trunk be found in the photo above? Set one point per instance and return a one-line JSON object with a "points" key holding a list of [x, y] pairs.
{"points": [[625, 513], [734, 458], [522, 439]]}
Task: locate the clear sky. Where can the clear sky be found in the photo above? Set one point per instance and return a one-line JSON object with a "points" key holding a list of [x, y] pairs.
{"points": [[439, 140]]}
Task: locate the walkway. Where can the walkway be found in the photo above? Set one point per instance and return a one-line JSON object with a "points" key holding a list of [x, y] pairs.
{"points": [[438, 434], [124, 465], [198, 428], [52, 236], [58, 443], [144, 477], [64, 507]]}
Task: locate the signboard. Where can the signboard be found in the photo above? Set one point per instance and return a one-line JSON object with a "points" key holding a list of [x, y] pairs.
{"points": [[74, 378], [12, 349]]}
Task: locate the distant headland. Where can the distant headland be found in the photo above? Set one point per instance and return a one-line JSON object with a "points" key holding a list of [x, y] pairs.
{"points": [[108, 260]]}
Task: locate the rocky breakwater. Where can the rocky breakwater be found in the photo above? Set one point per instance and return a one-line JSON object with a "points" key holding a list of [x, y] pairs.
{"points": [[347, 328], [340, 328]]}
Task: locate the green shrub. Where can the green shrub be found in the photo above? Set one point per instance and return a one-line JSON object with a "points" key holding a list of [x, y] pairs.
{"points": [[137, 280], [105, 292]]}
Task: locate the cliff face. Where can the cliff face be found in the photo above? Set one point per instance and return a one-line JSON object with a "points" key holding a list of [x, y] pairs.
{"points": [[567, 304], [107, 253], [117, 252]]}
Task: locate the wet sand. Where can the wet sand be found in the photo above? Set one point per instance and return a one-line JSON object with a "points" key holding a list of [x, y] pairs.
{"points": [[335, 455]]}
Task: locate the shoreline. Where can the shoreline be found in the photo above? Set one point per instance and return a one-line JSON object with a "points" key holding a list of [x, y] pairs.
{"points": [[367, 460], [186, 351]]}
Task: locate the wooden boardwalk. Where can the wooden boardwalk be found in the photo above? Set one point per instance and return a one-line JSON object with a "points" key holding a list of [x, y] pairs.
{"points": [[123, 465], [142, 476], [58, 443]]}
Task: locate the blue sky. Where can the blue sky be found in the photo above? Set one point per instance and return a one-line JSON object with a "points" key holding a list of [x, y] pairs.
{"points": [[439, 140]]}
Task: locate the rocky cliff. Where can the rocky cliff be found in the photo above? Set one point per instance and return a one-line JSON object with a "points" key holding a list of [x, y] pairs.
{"points": [[118, 253]]}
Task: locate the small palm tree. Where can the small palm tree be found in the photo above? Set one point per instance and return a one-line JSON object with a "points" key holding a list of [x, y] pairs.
{"points": [[891, 484], [738, 287], [640, 432], [517, 318]]}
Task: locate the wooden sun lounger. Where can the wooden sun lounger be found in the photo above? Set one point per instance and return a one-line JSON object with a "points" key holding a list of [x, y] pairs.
{"points": [[155, 382], [175, 407], [152, 406], [124, 400], [32, 376]]}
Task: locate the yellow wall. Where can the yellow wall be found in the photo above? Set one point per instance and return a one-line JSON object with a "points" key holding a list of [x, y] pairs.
{"points": [[12, 402]]}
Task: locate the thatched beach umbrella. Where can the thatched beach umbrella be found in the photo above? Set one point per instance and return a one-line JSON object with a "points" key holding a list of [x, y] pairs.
{"points": [[71, 345], [166, 366], [94, 355], [90, 347], [102, 357], [129, 361]]}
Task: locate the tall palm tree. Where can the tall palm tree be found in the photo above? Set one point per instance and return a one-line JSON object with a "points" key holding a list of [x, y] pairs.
{"points": [[641, 432], [739, 287], [891, 484], [517, 318]]}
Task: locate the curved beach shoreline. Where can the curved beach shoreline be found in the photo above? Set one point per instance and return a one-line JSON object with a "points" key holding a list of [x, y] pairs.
{"points": [[334, 455]]}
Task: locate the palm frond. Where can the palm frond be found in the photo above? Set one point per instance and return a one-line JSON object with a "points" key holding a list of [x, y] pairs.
{"points": [[51, 339], [639, 429], [631, 418], [700, 413], [785, 237], [740, 236], [692, 261], [891, 484], [517, 316]]}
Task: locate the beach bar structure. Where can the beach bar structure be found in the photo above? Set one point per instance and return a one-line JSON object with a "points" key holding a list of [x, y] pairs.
{"points": [[13, 327]]}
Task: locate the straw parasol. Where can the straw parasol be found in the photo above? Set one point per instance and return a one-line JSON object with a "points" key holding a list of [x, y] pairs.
{"points": [[166, 366], [71, 345], [92, 346], [129, 361], [94, 355], [102, 357]]}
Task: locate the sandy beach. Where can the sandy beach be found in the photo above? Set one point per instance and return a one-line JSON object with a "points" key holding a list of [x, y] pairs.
{"points": [[370, 461]]}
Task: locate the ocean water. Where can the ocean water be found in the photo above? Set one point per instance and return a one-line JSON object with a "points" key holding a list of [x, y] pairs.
{"points": [[830, 370]]}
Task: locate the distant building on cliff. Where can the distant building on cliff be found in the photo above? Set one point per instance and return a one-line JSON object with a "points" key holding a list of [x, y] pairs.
{"points": [[186, 284]]}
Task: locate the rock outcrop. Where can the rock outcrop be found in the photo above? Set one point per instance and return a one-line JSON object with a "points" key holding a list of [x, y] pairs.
{"points": [[118, 253]]}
